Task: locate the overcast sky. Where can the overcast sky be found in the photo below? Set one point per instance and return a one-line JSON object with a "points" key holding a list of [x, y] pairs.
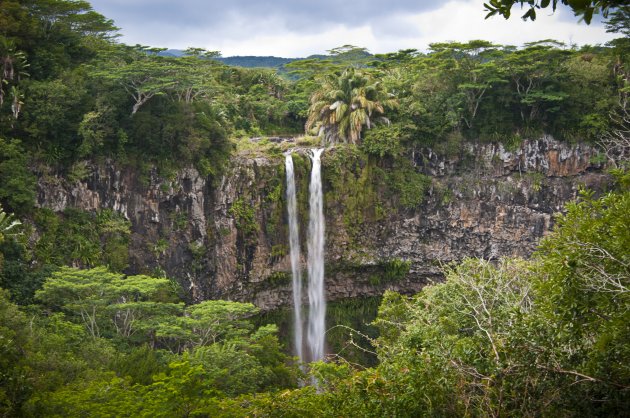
{"points": [[298, 28]]}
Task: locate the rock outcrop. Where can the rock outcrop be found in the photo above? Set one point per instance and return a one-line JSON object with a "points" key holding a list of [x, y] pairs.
{"points": [[226, 237]]}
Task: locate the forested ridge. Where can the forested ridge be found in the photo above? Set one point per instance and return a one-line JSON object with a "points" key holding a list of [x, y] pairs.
{"points": [[546, 336]]}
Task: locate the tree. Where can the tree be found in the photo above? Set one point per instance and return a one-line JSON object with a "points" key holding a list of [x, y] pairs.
{"points": [[13, 67], [616, 140], [345, 103], [214, 320], [141, 72], [14, 385], [40, 354], [54, 35], [102, 300], [473, 68], [584, 8], [619, 21], [17, 183], [201, 53], [461, 330], [195, 79], [350, 55], [534, 74]]}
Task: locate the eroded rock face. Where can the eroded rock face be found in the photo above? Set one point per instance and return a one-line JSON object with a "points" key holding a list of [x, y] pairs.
{"points": [[227, 237]]}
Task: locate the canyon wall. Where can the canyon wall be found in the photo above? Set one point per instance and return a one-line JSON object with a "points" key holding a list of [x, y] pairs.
{"points": [[226, 237]]}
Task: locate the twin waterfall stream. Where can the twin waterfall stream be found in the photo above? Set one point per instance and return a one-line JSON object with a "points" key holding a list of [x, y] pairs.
{"points": [[315, 262]]}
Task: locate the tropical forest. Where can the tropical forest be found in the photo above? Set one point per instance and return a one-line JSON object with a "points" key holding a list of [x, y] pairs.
{"points": [[431, 232]]}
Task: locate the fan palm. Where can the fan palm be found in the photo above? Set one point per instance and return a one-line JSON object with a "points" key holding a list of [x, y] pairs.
{"points": [[7, 224], [345, 103]]}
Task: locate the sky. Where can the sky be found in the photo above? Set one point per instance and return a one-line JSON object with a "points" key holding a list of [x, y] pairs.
{"points": [[299, 28]]}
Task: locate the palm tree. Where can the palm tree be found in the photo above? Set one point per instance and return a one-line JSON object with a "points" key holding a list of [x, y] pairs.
{"points": [[345, 103], [7, 224]]}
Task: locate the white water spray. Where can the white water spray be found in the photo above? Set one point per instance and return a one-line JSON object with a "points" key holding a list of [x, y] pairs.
{"points": [[316, 296], [294, 246]]}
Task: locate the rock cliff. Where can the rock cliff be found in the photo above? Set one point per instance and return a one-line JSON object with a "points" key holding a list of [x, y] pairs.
{"points": [[226, 237]]}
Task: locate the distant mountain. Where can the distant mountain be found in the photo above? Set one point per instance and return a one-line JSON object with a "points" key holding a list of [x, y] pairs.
{"points": [[251, 61], [254, 61], [240, 61], [171, 53]]}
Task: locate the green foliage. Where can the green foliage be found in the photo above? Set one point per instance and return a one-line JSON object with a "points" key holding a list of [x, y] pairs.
{"points": [[106, 302], [83, 238], [17, 273], [17, 183], [39, 355], [278, 278], [244, 216], [350, 334], [584, 277], [52, 113], [274, 209], [239, 360], [246, 366], [383, 141], [75, 88], [536, 180], [12, 323], [584, 9], [408, 185], [74, 238], [344, 103], [355, 187], [619, 21], [106, 361], [215, 320], [140, 363], [393, 270], [482, 90], [8, 225]]}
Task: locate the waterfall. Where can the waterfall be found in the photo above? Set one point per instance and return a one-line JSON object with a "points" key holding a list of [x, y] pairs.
{"points": [[316, 297], [315, 262], [294, 247]]}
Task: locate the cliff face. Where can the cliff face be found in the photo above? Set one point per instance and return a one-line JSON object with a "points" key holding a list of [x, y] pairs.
{"points": [[227, 238]]}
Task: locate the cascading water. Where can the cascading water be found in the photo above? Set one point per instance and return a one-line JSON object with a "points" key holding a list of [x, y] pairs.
{"points": [[294, 247], [316, 296], [315, 340]]}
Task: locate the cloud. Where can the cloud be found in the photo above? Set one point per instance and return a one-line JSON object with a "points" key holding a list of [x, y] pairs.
{"points": [[293, 15], [297, 28], [462, 21]]}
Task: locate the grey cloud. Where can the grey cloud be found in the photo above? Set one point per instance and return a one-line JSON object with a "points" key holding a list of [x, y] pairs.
{"points": [[227, 25], [234, 17], [395, 27]]}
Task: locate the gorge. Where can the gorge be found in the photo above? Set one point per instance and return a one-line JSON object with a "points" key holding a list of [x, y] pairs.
{"points": [[227, 237]]}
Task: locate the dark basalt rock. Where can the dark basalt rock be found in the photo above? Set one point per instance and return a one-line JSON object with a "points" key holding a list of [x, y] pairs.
{"points": [[501, 204]]}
